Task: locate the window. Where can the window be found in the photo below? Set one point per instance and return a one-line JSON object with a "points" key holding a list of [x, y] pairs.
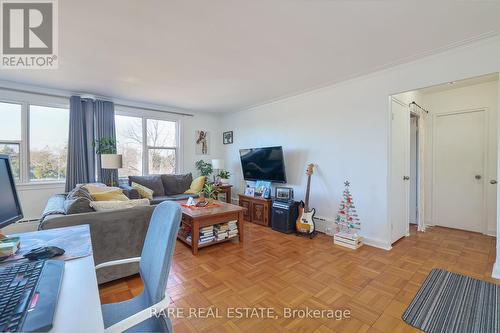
{"points": [[157, 153], [48, 147], [10, 134], [161, 146], [129, 144], [34, 132]]}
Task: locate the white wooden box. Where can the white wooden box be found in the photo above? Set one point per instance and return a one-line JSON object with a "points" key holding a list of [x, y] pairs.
{"points": [[348, 240]]}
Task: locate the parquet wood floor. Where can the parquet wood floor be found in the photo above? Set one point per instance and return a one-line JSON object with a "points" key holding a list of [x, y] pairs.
{"points": [[275, 270]]}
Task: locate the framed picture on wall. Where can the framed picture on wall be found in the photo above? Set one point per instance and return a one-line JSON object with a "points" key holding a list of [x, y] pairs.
{"points": [[227, 137], [202, 140]]}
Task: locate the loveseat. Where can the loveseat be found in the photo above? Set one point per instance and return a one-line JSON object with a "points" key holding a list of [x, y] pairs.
{"points": [[164, 187]]}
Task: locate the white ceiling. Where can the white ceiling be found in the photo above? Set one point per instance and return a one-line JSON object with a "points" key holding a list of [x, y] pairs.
{"points": [[225, 55]]}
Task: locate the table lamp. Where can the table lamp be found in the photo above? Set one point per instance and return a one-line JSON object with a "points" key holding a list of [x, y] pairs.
{"points": [[112, 162], [217, 164]]}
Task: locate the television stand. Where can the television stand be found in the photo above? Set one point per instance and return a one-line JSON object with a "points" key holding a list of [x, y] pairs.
{"points": [[258, 210]]}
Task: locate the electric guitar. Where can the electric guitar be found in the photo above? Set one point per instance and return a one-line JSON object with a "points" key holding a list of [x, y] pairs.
{"points": [[305, 221]]}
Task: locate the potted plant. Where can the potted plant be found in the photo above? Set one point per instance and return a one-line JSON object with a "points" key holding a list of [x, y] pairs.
{"points": [[106, 148], [210, 191], [204, 168], [224, 176]]}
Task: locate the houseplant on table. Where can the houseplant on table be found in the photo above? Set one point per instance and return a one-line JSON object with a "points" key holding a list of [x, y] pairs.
{"points": [[224, 176]]}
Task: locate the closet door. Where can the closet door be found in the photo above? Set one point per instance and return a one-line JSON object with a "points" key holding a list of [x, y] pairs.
{"points": [[399, 197], [459, 170]]}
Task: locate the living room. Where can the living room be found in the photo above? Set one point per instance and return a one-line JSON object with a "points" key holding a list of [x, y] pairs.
{"points": [[313, 166]]}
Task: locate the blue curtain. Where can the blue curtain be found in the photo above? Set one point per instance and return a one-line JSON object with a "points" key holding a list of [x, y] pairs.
{"points": [[89, 120], [104, 114]]}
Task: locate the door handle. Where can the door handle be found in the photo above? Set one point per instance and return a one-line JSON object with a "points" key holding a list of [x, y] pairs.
{"points": [[477, 177], [406, 178], [493, 181]]}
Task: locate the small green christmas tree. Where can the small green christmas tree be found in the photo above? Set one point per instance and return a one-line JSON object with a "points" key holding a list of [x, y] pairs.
{"points": [[347, 218]]}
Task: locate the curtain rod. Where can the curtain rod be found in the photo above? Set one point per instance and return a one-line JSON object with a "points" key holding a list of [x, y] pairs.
{"points": [[421, 108], [88, 96]]}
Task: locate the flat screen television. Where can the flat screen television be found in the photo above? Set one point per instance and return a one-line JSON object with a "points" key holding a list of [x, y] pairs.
{"points": [[263, 164]]}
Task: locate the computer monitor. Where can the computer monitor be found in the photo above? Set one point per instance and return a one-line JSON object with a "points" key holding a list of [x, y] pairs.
{"points": [[10, 208]]}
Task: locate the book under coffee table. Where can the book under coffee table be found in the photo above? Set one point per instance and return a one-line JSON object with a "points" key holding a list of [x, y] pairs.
{"points": [[198, 219]]}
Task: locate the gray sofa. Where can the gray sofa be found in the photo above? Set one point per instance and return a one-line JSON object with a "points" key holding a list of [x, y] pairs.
{"points": [[116, 234], [165, 187]]}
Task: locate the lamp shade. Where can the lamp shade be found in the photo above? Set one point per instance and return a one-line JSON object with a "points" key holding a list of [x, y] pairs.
{"points": [[218, 164], [111, 161]]}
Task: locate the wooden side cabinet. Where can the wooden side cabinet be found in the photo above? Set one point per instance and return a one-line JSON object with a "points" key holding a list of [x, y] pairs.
{"points": [[258, 209]]}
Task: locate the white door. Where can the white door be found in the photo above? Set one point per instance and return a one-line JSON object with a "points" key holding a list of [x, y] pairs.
{"points": [[400, 170], [459, 170]]}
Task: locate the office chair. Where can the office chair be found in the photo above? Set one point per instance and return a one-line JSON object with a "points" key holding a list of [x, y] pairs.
{"points": [[154, 265]]}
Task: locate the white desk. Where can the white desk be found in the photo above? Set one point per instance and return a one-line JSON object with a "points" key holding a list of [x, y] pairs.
{"points": [[78, 307]]}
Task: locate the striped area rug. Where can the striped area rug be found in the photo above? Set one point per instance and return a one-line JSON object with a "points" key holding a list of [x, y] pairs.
{"points": [[449, 302]]}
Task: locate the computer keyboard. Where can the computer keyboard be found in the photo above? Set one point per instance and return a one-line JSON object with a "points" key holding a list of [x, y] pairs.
{"points": [[28, 294]]}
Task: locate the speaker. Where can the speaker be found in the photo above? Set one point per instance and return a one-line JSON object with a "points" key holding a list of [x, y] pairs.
{"points": [[284, 215]]}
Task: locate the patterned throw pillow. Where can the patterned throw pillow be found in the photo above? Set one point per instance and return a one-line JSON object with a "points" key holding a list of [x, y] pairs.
{"points": [[79, 192], [143, 191]]}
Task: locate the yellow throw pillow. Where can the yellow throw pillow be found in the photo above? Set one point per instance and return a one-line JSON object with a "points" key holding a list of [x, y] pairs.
{"points": [[111, 195], [99, 189], [196, 185], [143, 191]]}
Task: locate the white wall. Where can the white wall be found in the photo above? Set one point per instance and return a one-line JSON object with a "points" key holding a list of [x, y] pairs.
{"points": [[344, 129], [209, 122], [477, 96]]}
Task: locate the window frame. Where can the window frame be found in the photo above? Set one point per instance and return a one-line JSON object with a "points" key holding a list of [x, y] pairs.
{"points": [[25, 100], [144, 115]]}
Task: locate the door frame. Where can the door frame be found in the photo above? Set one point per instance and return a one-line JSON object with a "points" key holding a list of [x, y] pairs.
{"points": [[389, 178], [484, 213]]}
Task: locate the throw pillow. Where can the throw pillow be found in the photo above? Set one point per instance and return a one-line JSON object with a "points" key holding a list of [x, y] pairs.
{"points": [[113, 205], [77, 206], [143, 191], [111, 195], [99, 189], [152, 182], [176, 184], [79, 192], [197, 185]]}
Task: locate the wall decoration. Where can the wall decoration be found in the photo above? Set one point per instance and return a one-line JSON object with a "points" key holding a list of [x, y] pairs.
{"points": [[227, 137], [202, 142]]}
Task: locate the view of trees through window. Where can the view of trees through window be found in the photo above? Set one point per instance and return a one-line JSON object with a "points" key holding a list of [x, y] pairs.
{"points": [[129, 144], [160, 148], [48, 149]]}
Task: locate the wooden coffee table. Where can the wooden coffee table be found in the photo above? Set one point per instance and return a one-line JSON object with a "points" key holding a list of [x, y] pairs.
{"points": [[198, 218]]}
